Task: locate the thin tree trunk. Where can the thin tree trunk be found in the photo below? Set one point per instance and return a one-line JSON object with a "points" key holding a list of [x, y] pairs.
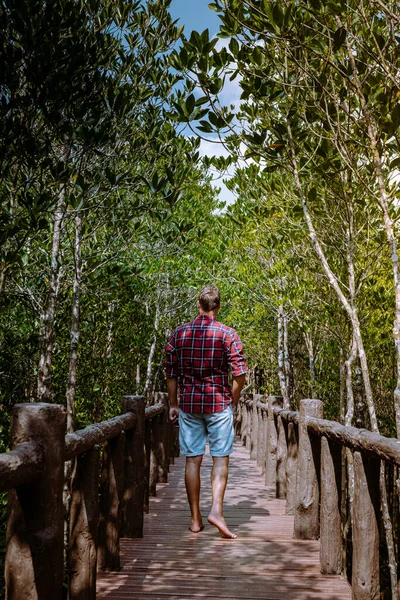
{"points": [[286, 360], [108, 350], [48, 315], [3, 277], [387, 221], [152, 349], [342, 386], [75, 325], [281, 358], [351, 311], [391, 238], [311, 362], [138, 377]]}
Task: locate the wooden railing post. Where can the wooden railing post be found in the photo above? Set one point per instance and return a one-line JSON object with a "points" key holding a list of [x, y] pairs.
{"points": [[272, 440], [155, 435], [261, 431], [134, 470], [111, 489], [163, 476], [147, 446], [83, 526], [365, 575], [249, 421], [291, 467], [243, 422], [34, 558], [281, 458], [238, 417], [306, 517], [254, 427], [330, 514]]}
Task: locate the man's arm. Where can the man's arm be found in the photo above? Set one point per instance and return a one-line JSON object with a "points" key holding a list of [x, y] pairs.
{"points": [[237, 386], [172, 389]]}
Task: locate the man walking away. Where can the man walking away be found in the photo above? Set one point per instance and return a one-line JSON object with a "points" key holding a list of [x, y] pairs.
{"points": [[199, 356]]}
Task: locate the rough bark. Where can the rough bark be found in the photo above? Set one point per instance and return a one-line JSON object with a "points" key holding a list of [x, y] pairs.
{"points": [[272, 441], [34, 557], [152, 349], [281, 358], [82, 440], [291, 467], [306, 516], [330, 517], [20, 466], [134, 480], [75, 325], [365, 577], [83, 526], [111, 489], [311, 361], [48, 314]]}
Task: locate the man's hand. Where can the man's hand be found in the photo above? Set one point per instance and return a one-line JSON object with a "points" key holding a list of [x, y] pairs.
{"points": [[173, 414], [237, 385], [172, 389]]}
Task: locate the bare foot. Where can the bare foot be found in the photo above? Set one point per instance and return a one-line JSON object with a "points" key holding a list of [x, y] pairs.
{"points": [[196, 526], [220, 524]]}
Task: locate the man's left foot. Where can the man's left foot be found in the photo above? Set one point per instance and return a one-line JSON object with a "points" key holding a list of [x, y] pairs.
{"points": [[220, 524]]}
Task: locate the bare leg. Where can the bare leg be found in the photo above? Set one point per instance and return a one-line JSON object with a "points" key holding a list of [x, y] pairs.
{"points": [[219, 479], [192, 482]]}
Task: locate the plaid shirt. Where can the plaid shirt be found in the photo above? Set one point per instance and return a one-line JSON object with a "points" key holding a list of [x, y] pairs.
{"points": [[200, 354]]}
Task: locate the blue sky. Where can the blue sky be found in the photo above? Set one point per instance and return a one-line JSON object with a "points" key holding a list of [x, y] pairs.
{"points": [[195, 14]]}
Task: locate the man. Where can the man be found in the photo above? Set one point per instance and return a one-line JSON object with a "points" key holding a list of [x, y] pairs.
{"points": [[199, 355]]}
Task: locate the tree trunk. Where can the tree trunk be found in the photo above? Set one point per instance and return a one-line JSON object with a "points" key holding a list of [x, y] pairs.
{"points": [[3, 276], [138, 377], [75, 325], [48, 315], [389, 224], [311, 362], [351, 310], [147, 385], [286, 361], [281, 358]]}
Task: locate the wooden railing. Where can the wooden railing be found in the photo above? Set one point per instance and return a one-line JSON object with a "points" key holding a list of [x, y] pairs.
{"points": [[304, 457], [116, 466]]}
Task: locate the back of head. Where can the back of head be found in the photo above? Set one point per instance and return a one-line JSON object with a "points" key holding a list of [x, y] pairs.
{"points": [[209, 298]]}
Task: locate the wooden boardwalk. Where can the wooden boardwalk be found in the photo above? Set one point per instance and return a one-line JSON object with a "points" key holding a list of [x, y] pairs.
{"points": [[264, 563]]}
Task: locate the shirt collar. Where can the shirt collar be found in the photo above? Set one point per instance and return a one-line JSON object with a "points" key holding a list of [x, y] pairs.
{"points": [[205, 318]]}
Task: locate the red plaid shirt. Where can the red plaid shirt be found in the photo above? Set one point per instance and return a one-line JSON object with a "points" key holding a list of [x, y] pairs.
{"points": [[200, 354]]}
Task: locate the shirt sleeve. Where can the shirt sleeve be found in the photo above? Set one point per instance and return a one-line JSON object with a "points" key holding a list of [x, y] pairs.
{"points": [[172, 364], [236, 358]]}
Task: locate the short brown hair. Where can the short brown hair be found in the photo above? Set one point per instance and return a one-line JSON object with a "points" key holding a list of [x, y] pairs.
{"points": [[209, 298]]}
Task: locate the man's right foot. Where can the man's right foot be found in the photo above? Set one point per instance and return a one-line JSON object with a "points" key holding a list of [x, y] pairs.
{"points": [[220, 524], [196, 526]]}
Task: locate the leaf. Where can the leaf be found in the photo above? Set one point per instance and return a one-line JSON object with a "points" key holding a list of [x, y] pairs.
{"points": [[234, 47], [312, 194], [395, 115], [190, 104], [339, 38]]}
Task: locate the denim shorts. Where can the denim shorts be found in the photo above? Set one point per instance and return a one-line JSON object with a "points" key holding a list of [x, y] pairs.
{"points": [[194, 428]]}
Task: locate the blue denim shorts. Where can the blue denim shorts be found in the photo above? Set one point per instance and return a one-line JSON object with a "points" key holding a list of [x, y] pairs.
{"points": [[194, 428]]}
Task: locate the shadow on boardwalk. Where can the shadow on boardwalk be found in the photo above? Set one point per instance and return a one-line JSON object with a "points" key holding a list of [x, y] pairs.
{"points": [[264, 563]]}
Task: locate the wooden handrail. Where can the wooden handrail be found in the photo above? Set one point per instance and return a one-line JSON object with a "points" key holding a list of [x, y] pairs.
{"points": [[138, 447], [82, 440], [21, 465], [305, 457], [372, 444]]}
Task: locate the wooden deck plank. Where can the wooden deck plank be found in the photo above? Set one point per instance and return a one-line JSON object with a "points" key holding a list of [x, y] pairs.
{"points": [[263, 563]]}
